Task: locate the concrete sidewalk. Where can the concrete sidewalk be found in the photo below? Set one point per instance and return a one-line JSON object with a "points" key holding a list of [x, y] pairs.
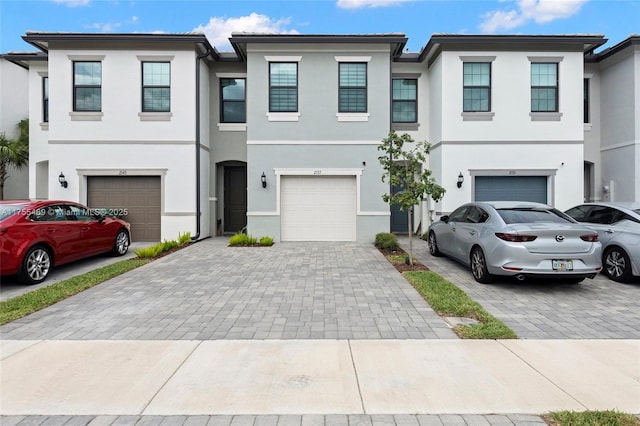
{"points": [[317, 377]]}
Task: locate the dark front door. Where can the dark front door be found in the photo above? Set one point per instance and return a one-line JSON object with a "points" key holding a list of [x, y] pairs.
{"points": [[235, 198], [399, 219]]}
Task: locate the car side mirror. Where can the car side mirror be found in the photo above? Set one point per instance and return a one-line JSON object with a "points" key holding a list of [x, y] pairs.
{"points": [[445, 218]]}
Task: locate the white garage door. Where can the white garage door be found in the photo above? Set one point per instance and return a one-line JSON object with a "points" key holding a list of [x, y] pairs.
{"points": [[318, 208]]}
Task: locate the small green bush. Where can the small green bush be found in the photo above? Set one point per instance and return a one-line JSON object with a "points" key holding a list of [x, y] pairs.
{"points": [[184, 238], [241, 239], [149, 252], [266, 241], [168, 245], [386, 241]]}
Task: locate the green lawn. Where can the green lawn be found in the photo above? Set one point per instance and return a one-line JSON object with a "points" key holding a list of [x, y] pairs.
{"points": [[591, 418]]}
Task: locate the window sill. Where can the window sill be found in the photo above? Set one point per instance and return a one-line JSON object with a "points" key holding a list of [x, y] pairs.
{"points": [[545, 116], [232, 127], [86, 116], [352, 116], [478, 116], [405, 126], [283, 116], [44, 126], [155, 116], [587, 127]]}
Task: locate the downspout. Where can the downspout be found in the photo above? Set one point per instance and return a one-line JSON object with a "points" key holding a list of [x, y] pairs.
{"points": [[198, 204]]}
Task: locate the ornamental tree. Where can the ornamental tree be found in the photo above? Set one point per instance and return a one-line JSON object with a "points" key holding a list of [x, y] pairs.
{"points": [[13, 153], [403, 168]]}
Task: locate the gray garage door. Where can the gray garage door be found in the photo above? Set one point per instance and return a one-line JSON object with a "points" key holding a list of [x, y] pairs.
{"points": [[138, 195], [511, 188]]}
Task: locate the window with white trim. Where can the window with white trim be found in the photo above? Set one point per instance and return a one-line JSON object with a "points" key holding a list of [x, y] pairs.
{"points": [[87, 86], [544, 87], [156, 87], [352, 94], [283, 87], [233, 100], [476, 87], [405, 100]]}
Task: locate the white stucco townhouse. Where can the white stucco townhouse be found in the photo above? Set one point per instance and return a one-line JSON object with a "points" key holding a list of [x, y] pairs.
{"points": [[281, 134]]}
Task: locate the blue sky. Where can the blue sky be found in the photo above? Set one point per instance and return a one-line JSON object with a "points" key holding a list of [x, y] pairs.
{"points": [[418, 19]]}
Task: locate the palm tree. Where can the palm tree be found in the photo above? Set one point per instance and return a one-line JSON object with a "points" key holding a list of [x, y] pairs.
{"points": [[13, 152]]}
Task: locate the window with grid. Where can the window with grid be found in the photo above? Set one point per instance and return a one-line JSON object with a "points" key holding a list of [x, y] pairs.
{"points": [[87, 86], [477, 87], [586, 100], [156, 87], [352, 95], [45, 99], [283, 87], [232, 100], [405, 100], [544, 87]]}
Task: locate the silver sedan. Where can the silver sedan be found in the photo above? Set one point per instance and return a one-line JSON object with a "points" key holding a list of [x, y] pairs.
{"points": [[618, 225], [520, 239]]}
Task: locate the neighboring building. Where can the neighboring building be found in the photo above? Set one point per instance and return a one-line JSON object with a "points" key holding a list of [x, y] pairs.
{"points": [[281, 135], [14, 107]]}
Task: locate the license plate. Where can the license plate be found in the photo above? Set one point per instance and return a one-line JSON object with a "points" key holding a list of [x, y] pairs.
{"points": [[562, 265]]}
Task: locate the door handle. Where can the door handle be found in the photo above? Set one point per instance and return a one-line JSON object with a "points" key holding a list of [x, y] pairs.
{"points": [[609, 231], [85, 228], [51, 230], [472, 232]]}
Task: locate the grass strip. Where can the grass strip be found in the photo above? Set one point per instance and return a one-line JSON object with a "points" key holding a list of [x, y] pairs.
{"points": [[448, 300], [36, 300], [591, 418]]}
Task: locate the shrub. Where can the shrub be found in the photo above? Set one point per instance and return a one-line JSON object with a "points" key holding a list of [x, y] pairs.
{"points": [[184, 238], [149, 252], [266, 241], [386, 241], [168, 245], [241, 239]]}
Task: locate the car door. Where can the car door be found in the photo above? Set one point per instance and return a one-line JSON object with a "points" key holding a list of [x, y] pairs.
{"points": [[447, 235], [606, 221], [469, 231], [59, 231], [96, 235]]}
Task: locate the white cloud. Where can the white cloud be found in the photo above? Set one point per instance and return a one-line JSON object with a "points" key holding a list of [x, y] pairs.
{"points": [[109, 27], [538, 11], [73, 3], [357, 4], [219, 29]]}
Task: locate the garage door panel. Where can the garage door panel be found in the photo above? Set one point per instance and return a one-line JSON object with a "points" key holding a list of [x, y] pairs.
{"points": [[318, 208], [139, 195], [511, 188]]}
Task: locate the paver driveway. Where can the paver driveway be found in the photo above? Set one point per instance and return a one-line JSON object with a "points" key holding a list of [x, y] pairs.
{"points": [[537, 309], [211, 291]]}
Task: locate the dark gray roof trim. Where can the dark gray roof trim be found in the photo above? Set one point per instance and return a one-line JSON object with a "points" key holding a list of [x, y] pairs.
{"points": [[240, 40], [42, 40], [22, 59], [438, 42], [632, 40]]}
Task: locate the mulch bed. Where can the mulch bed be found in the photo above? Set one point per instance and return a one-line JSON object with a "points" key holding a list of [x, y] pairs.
{"points": [[402, 266]]}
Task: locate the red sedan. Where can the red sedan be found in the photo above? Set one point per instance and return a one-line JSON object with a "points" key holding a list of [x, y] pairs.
{"points": [[36, 235]]}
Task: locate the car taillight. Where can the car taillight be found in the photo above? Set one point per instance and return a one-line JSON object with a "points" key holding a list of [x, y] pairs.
{"points": [[592, 238], [515, 238]]}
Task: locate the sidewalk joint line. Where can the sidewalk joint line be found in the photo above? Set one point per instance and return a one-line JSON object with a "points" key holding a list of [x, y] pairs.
{"points": [[355, 370], [543, 375], [155, 394]]}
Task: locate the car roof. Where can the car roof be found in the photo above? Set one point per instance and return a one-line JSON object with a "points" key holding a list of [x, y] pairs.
{"points": [[513, 204], [626, 206]]}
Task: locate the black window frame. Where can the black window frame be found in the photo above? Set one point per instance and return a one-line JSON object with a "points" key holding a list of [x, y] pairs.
{"points": [[272, 87], [342, 88], [145, 107], [555, 88], [224, 101], [45, 99], [586, 94], [404, 101], [86, 86], [475, 87]]}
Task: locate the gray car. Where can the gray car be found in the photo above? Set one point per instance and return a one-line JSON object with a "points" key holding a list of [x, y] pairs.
{"points": [[519, 239], [618, 225]]}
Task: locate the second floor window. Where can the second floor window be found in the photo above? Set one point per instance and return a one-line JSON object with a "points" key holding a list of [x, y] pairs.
{"points": [[352, 95], [283, 87], [156, 87], [45, 99], [232, 100], [477, 87], [586, 100], [544, 87], [405, 100], [87, 86]]}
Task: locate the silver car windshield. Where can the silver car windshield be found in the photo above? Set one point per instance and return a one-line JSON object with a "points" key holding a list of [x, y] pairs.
{"points": [[532, 215]]}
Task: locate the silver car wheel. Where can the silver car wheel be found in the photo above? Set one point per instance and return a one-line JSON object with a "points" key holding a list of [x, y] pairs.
{"points": [[121, 245], [433, 244], [479, 267], [37, 264], [617, 264]]}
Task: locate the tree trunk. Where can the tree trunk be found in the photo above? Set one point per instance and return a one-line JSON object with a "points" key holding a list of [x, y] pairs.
{"points": [[410, 216]]}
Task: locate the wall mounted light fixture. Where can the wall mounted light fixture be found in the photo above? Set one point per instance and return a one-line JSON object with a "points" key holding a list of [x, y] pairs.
{"points": [[62, 180], [460, 180], [263, 179]]}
